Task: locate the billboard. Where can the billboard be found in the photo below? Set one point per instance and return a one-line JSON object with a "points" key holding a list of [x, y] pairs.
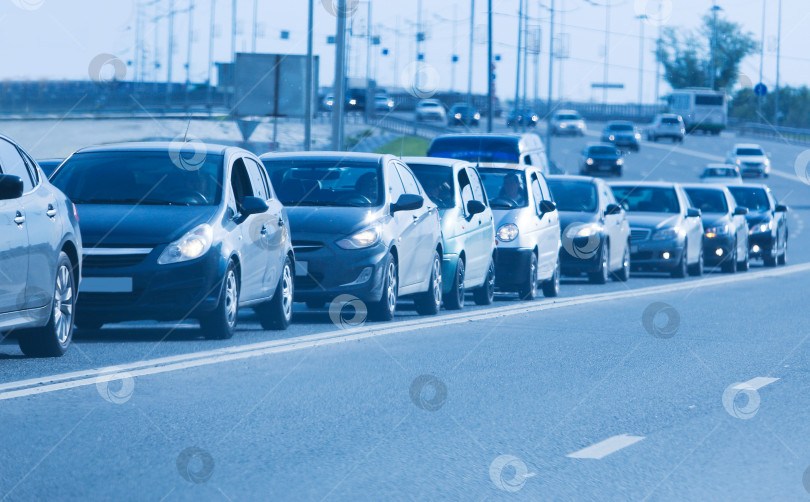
{"points": [[271, 85]]}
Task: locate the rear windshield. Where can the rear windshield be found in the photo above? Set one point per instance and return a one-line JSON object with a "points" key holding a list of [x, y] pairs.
{"points": [[437, 182], [475, 149], [576, 196], [647, 199], [326, 182], [755, 199], [707, 200], [142, 178], [670, 121], [506, 188], [752, 152], [567, 116]]}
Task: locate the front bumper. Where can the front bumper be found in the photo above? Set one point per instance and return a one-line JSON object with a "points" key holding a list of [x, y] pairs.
{"points": [[761, 245], [512, 267], [619, 141], [656, 256], [754, 170], [722, 243]]}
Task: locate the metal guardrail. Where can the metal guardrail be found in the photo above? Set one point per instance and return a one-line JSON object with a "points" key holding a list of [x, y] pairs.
{"points": [[776, 133], [409, 127]]}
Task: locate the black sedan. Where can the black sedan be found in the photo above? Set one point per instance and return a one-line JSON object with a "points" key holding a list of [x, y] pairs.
{"points": [[523, 117], [623, 134], [725, 232], [595, 231], [601, 158], [362, 228], [767, 223], [40, 256], [174, 232], [463, 115]]}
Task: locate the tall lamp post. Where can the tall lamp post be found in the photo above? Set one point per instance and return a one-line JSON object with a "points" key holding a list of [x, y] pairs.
{"points": [[715, 9], [778, 58], [642, 19], [550, 80]]}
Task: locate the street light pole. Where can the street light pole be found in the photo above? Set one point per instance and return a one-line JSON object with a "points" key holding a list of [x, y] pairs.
{"points": [[761, 61], [642, 19], [607, 54], [233, 31], [211, 35], [657, 61], [712, 54], [309, 84], [519, 55], [340, 77], [470, 60], [490, 75], [778, 61], [418, 76], [255, 26], [550, 80]]}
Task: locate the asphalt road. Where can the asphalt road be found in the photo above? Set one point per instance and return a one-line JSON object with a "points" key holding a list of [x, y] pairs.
{"points": [[657, 389]]}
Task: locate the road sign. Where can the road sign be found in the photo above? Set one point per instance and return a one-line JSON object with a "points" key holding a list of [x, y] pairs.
{"points": [[760, 89]]}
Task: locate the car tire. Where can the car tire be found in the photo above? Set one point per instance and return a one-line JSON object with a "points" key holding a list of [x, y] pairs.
{"points": [[696, 270], [221, 323], [782, 260], [746, 263], [485, 294], [730, 265], [551, 287], [429, 302], [277, 314], [384, 308], [601, 275], [454, 300], [53, 339], [681, 270], [528, 290], [770, 260], [623, 274]]}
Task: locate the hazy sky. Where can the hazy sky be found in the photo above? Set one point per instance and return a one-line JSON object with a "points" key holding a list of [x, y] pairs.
{"points": [[57, 39]]}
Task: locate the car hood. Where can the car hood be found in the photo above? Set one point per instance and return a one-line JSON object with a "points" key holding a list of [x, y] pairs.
{"points": [[752, 159], [568, 218], [117, 225], [336, 221], [714, 220], [754, 217], [653, 221]]}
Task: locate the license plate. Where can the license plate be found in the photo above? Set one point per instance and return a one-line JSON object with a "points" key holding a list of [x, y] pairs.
{"points": [[301, 268], [634, 249], [605, 167], [106, 285]]}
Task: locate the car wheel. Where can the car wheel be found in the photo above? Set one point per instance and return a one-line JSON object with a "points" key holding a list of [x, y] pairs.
{"points": [[486, 293], [53, 339], [696, 270], [782, 260], [551, 287], [623, 274], [746, 263], [429, 302], [383, 310], [682, 268], [221, 323], [730, 265], [601, 275], [770, 260], [528, 290], [454, 300], [277, 313]]}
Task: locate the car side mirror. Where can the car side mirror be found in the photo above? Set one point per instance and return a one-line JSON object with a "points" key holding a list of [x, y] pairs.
{"points": [[612, 209], [546, 206], [254, 205], [693, 213], [407, 202], [781, 208], [11, 187], [741, 211], [475, 207]]}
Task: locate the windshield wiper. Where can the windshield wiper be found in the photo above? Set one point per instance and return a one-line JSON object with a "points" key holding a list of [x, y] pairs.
{"points": [[133, 201]]}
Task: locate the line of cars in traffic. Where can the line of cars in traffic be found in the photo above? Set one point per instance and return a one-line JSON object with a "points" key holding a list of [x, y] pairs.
{"points": [[195, 231]]}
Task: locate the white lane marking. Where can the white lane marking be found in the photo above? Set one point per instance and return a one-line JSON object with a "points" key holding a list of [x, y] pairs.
{"points": [[756, 383], [74, 379], [604, 448]]}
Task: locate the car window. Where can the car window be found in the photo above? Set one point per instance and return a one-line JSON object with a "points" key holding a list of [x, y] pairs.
{"points": [[256, 179], [465, 187], [753, 152], [602, 150], [329, 182], [12, 163], [649, 199], [240, 183], [395, 187], [708, 200], [32, 166], [755, 199], [408, 180], [477, 187], [506, 188], [537, 192], [437, 181]]}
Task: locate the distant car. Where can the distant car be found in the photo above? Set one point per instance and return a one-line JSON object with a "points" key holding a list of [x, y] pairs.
{"points": [[48, 166], [725, 174], [725, 231], [595, 231], [430, 109], [463, 115], [767, 223], [173, 232], [527, 228], [526, 149], [567, 122], [666, 233], [601, 158], [524, 117], [382, 103], [40, 256], [751, 160], [468, 232], [355, 100], [328, 102], [623, 134], [666, 125], [363, 226]]}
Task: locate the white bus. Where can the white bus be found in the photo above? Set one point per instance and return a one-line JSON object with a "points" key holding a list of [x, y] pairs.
{"points": [[702, 109]]}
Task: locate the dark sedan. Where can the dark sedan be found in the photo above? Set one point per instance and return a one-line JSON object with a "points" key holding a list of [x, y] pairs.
{"points": [[767, 223], [463, 115], [601, 159], [725, 232], [174, 232], [524, 117], [623, 134], [48, 166], [362, 226], [595, 231]]}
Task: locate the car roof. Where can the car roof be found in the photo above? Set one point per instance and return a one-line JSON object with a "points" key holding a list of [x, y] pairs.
{"points": [[618, 122], [435, 161], [159, 146], [589, 145], [669, 115], [705, 186], [758, 186], [500, 165], [747, 145], [340, 156], [572, 177], [659, 184]]}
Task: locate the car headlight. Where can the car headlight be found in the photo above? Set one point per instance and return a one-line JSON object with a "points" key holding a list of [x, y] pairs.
{"points": [[738, 162], [638, 136], [508, 232], [458, 115], [477, 116], [535, 118], [563, 126], [589, 162], [582, 231], [720, 230], [611, 137], [619, 162], [352, 102], [666, 234], [191, 246], [763, 227], [360, 240], [767, 162]]}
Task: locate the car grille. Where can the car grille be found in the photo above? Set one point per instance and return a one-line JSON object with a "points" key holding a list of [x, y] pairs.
{"points": [[307, 246], [639, 234], [112, 261], [309, 281], [642, 255], [107, 300]]}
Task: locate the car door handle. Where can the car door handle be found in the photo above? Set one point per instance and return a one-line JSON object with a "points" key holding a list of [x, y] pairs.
{"points": [[264, 229], [280, 222], [51, 212], [19, 219]]}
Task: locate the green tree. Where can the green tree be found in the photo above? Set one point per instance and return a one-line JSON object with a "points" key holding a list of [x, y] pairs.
{"points": [[687, 55]]}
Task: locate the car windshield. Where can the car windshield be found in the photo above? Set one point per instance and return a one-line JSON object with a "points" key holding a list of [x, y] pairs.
{"points": [[567, 116], [141, 178], [719, 172], [437, 181], [620, 127], [755, 199], [749, 152], [708, 200], [575, 196], [506, 188], [475, 149], [670, 121], [647, 199], [602, 150], [339, 182], [430, 105]]}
